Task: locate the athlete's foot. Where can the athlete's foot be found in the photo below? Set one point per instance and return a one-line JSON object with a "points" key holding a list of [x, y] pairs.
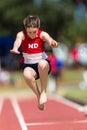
{"points": [[43, 98], [41, 106]]}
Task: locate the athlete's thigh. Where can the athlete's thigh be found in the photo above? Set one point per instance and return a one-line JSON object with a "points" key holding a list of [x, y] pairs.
{"points": [[44, 63], [28, 71]]}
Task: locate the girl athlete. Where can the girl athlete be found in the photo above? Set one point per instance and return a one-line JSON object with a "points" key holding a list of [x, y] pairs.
{"points": [[36, 63]]}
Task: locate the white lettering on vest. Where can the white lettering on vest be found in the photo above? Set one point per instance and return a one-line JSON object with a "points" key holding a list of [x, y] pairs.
{"points": [[35, 45]]}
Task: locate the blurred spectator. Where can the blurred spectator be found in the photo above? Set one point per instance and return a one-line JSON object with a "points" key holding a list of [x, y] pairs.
{"points": [[74, 55], [83, 84], [4, 77], [56, 67], [78, 55]]}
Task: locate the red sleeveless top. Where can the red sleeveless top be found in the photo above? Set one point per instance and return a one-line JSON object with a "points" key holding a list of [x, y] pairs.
{"points": [[32, 46], [33, 50]]}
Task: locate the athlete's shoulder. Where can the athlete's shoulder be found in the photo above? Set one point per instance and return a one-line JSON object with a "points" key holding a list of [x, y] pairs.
{"points": [[43, 34], [20, 35], [39, 32]]}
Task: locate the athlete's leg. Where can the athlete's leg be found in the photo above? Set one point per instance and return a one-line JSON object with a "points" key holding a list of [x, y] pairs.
{"points": [[30, 75], [43, 68]]}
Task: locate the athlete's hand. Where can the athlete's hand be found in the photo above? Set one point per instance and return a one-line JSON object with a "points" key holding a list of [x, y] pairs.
{"points": [[14, 51], [54, 44]]}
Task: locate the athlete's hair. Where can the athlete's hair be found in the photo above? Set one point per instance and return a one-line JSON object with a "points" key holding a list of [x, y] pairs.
{"points": [[31, 21]]}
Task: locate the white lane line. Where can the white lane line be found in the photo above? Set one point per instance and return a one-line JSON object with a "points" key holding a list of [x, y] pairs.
{"points": [[1, 104], [18, 113], [56, 122], [67, 102], [40, 123], [81, 121]]}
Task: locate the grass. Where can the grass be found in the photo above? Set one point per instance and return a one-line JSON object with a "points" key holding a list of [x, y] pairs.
{"points": [[67, 85], [16, 87], [74, 93], [70, 89]]}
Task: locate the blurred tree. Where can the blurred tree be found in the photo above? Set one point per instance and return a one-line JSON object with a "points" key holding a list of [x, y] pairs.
{"points": [[56, 18], [12, 13]]}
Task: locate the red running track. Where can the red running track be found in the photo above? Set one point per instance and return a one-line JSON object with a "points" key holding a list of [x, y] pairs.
{"points": [[23, 114]]}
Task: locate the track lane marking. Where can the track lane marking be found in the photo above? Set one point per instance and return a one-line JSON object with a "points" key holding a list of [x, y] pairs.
{"points": [[18, 113], [55, 123], [54, 97], [1, 104], [67, 102], [40, 123]]}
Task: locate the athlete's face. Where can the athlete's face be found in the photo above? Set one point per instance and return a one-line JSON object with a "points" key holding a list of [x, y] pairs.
{"points": [[32, 32]]}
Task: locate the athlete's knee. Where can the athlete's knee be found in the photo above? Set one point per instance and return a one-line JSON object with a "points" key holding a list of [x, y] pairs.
{"points": [[27, 74], [43, 64]]}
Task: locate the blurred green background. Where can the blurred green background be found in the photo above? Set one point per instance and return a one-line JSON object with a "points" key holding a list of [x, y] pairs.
{"points": [[63, 19]]}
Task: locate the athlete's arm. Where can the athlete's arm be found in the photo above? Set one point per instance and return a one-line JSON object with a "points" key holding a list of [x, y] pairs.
{"points": [[17, 43], [47, 38]]}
